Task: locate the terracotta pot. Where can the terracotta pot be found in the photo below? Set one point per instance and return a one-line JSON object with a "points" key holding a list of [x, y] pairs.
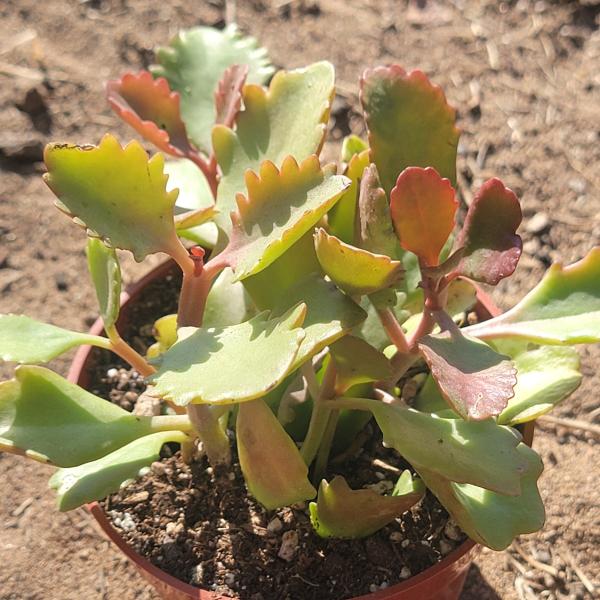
{"points": [[443, 581]]}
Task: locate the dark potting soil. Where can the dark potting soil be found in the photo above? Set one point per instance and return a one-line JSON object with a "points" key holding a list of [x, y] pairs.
{"points": [[199, 524]]}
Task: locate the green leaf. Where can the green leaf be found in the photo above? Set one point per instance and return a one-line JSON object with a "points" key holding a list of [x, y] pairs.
{"points": [[354, 270], [194, 194], [374, 228], [288, 119], [25, 340], [49, 419], [489, 518], [330, 314], [105, 270], [96, 480], [491, 246], [545, 376], [165, 333], [476, 380], [117, 193], [564, 308], [227, 303], [341, 218], [255, 355], [356, 362], [152, 109], [423, 207], [410, 123], [351, 145], [481, 453], [282, 205], [342, 512], [193, 64], [275, 473]]}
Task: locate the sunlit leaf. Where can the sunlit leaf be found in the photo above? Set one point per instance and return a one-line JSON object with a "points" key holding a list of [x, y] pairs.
{"points": [[194, 63], [354, 270], [105, 270], [228, 96], [25, 340], [545, 376], [227, 302], [346, 513], [564, 308], [423, 206], [49, 419], [118, 193], [255, 355], [476, 380], [288, 119], [351, 145], [487, 517], [356, 362], [374, 228], [281, 206], [341, 218], [165, 333], [194, 195], [275, 473], [491, 246], [152, 109], [96, 480], [481, 453], [410, 123]]}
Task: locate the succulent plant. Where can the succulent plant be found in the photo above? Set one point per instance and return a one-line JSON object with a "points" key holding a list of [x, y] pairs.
{"points": [[311, 293]]}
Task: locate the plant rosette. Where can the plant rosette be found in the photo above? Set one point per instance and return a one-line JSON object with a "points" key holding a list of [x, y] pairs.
{"points": [[314, 299]]}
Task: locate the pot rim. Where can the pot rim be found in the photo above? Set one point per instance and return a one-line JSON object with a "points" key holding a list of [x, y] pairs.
{"points": [[485, 308]]}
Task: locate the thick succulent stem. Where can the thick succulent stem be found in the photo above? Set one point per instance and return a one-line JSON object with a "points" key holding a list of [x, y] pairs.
{"points": [[319, 417], [214, 439], [393, 329]]}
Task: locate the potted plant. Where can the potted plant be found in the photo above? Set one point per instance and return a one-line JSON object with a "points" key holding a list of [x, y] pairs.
{"points": [[320, 314]]}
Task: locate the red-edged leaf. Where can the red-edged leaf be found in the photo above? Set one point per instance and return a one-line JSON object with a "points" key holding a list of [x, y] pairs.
{"points": [[491, 246], [423, 206], [228, 95], [410, 123], [152, 109], [476, 380]]}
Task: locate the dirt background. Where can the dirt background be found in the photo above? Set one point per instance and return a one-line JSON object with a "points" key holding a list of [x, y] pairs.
{"points": [[525, 78]]}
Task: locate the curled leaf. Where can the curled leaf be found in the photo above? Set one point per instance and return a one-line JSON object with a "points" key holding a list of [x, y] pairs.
{"points": [[346, 513], [491, 247], [410, 123], [423, 206], [275, 473], [476, 381], [228, 97], [165, 333], [95, 480], [281, 206], [356, 271], [105, 270], [152, 109]]}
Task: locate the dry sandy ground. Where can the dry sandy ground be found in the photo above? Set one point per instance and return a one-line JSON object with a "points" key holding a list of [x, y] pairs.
{"points": [[525, 78]]}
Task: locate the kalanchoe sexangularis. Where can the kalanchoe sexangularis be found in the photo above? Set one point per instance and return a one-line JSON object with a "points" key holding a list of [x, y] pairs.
{"points": [[306, 283]]}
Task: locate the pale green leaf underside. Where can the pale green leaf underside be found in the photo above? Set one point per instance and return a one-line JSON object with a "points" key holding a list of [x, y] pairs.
{"points": [[231, 364], [480, 453], [25, 340], [227, 303], [275, 473], [97, 479], [564, 308], [545, 377], [488, 517], [194, 193], [342, 512], [49, 419], [105, 271], [194, 63], [288, 119], [118, 193], [282, 205]]}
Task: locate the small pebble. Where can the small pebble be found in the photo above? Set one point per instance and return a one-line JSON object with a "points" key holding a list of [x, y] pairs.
{"points": [[289, 545], [445, 547], [396, 536], [373, 588], [275, 525], [229, 578], [452, 531], [538, 223], [405, 573], [127, 522], [158, 468]]}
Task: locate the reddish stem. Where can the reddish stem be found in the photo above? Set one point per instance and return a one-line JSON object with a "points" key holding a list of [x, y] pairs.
{"points": [[393, 329], [209, 168]]}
